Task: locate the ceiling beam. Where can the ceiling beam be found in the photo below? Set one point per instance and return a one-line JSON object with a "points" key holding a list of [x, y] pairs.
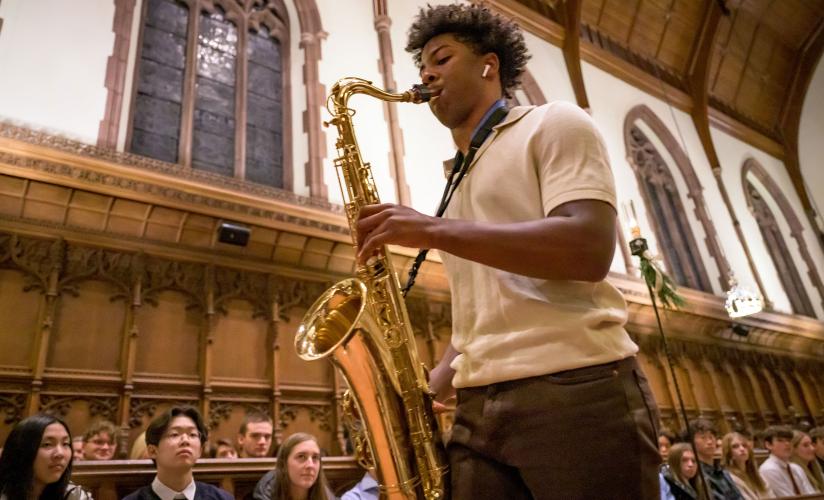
{"points": [[697, 80], [790, 118], [570, 14], [553, 32]]}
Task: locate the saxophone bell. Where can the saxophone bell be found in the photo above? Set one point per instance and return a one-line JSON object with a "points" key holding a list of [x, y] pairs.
{"points": [[362, 325]]}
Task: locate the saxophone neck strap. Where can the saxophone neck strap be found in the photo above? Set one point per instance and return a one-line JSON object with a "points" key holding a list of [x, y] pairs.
{"points": [[459, 168]]}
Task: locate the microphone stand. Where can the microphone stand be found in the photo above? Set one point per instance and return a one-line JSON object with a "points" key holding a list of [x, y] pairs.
{"points": [[662, 286]]}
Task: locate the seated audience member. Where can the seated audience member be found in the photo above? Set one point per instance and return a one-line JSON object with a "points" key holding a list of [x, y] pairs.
{"points": [[255, 436], [366, 489], [298, 473], [174, 441], [37, 462], [99, 441], [665, 441], [679, 475], [817, 435], [804, 456], [737, 456], [77, 447], [785, 478], [139, 451], [718, 480], [225, 449]]}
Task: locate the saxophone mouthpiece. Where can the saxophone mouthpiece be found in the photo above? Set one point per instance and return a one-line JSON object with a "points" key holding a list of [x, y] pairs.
{"points": [[421, 93]]}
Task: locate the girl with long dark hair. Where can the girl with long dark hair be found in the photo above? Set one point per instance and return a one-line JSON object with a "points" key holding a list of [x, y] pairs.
{"points": [[36, 463]]}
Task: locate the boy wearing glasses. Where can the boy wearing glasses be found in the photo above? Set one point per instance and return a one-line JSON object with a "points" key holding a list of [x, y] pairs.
{"points": [[174, 441]]}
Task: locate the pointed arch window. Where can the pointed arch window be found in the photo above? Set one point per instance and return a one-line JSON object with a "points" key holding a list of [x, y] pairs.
{"points": [[667, 214], [209, 88], [663, 202], [777, 247]]}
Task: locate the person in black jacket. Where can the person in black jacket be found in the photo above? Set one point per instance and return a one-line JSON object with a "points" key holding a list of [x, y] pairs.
{"points": [[718, 480], [679, 475], [174, 441]]}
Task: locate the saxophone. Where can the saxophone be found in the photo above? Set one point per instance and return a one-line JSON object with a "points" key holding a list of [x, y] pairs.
{"points": [[363, 325]]}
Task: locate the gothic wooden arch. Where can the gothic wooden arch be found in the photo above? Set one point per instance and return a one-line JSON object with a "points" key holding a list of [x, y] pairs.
{"points": [[531, 88], [694, 189], [752, 166]]}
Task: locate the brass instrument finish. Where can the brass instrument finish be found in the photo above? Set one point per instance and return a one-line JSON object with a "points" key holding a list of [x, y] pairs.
{"points": [[363, 325]]}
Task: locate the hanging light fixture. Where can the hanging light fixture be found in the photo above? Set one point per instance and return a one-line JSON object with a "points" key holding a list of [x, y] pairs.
{"points": [[742, 301]]}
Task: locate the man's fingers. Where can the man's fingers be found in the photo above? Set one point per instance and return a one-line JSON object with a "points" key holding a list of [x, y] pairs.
{"points": [[371, 243], [440, 407], [370, 218]]}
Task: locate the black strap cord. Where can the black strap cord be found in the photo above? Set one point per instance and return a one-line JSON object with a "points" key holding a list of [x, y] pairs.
{"points": [[459, 168]]}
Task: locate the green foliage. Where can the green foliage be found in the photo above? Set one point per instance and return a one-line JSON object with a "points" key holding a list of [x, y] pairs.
{"points": [[661, 284]]}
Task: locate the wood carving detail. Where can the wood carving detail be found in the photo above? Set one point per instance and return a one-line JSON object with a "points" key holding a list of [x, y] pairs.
{"points": [[60, 405], [321, 413]]}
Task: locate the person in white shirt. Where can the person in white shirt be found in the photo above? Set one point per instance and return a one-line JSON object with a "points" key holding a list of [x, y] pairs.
{"points": [[174, 441], [784, 478]]}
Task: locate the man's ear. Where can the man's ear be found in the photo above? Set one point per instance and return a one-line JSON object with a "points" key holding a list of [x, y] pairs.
{"points": [[491, 59], [151, 450]]}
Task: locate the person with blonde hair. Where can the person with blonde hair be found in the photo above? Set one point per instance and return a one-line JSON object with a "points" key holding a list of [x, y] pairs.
{"points": [[804, 455], [737, 456], [139, 450], [679, 475]]}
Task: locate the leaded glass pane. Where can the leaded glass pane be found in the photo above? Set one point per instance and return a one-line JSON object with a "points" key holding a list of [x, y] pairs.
{"points": [[213, 134], [264, 122], [156, 117]]}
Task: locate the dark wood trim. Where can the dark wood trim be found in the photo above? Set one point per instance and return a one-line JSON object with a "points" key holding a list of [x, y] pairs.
{"points": [[527, 19], [698, 78], [790, 120], [698, 84], [570, 12], [116, 67], [553, 33], [531, 88], [796, 229]]}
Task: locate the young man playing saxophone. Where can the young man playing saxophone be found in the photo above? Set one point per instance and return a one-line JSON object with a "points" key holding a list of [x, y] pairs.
{"points": [[539, 355]]}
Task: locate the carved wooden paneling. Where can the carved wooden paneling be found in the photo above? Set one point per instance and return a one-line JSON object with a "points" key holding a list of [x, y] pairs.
{"points": [[12, 407], [18, 310], [168, 330], [293, 369], [241, 343], [313, 418], [89, 341]]}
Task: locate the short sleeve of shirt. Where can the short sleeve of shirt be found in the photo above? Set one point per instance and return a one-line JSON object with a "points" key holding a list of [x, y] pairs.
{"points": [[571, 158]]}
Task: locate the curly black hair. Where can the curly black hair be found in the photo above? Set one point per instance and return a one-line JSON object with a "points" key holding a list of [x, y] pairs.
{"points": [[477, 27]]}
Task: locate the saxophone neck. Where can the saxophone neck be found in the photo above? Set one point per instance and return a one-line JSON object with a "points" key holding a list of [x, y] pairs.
{"points": [[345, 88]]}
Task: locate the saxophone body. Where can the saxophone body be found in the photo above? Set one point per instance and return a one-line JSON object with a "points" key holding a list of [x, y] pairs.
{"points": [[361, 323]]}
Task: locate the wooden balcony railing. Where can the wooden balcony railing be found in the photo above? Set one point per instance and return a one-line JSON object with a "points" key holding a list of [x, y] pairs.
{"points": [[114, 479]]}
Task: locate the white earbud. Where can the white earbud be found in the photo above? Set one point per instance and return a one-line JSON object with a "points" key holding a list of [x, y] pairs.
{"points": [[486, 70]]}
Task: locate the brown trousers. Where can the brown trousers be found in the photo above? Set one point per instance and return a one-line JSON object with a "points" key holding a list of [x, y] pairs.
{"points": [[588, 433]]}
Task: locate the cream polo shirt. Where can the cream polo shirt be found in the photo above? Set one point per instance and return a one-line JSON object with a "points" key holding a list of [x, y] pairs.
{"points": [[508, 326]]}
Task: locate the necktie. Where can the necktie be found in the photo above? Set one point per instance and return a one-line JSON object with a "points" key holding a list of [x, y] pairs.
{"points": [[792, 478], [180, 496]]}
